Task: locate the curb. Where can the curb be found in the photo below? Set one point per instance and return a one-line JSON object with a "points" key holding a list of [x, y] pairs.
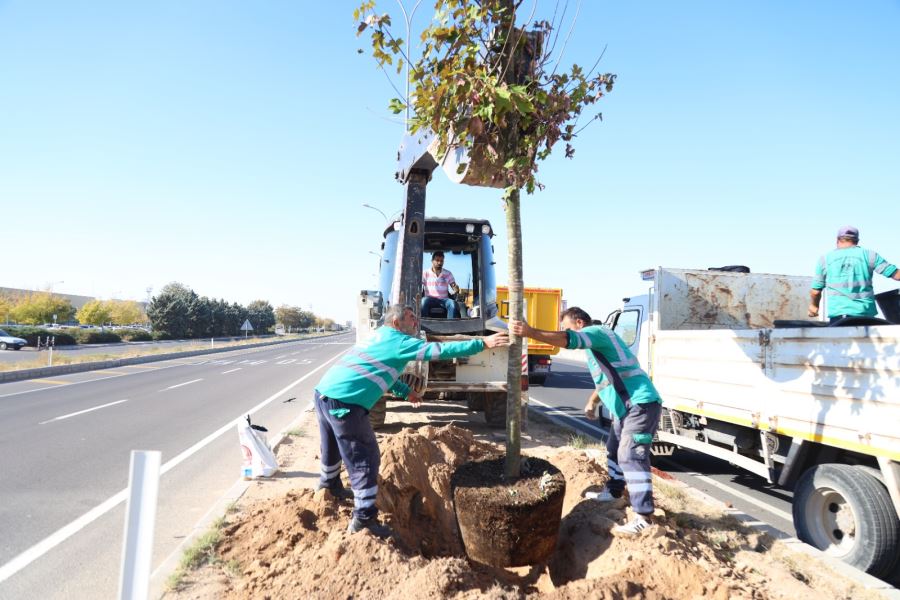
{"points": [[860, 577], [23, 374], [160, 575]]}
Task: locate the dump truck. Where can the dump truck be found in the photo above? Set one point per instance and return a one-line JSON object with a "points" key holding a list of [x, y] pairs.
{"points": [[814, 408], [542, 308]]}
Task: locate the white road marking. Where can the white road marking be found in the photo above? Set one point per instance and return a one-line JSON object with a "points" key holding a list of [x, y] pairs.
{"points": [[726, 488], [282, 356], [738, 494], [81, 412], [231, 371], [178, 385], [286, 361], [56, 538]]}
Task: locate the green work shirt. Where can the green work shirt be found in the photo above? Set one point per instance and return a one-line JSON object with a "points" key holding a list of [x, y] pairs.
{"points": [[616, 369], [846, 276], [372, 368]]}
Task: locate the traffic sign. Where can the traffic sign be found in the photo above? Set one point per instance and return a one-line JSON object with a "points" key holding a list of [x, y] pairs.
{"points": [[247, 326]]}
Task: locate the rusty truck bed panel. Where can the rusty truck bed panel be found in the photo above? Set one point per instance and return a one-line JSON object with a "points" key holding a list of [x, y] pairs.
{"points": [[697, 299]]}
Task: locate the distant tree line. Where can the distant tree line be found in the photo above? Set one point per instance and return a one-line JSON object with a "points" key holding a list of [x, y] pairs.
{"points": [[45, 307], [180, 312]]}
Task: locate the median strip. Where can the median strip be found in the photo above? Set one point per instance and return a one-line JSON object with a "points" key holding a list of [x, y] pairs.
{"points": [[81, 412]]}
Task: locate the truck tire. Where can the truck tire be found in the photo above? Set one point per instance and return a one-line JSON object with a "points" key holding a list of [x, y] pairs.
{"points": [[475, 401], [378, 413], [495, 410], [847, 513]]}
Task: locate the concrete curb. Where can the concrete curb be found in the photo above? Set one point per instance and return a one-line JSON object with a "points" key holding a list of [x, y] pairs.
{"points": [[160, 575], [863, 579], [40, 372]]}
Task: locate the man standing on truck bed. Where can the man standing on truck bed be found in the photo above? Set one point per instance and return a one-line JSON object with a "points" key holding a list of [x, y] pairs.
{"points": [[353, 385], [437, 283], [631, 399], [845, 274]]}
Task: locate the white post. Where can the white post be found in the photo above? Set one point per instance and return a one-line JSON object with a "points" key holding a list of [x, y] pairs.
{"points": [[212, 342], [140, 519], [50, 357]]}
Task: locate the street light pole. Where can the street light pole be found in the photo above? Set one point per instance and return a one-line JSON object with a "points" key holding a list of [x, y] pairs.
{"points": [[377, 209]]}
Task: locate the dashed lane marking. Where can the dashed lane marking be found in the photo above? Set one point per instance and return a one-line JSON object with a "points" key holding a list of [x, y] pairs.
{"points": [[178, 385], [81, 412], [41, 548], [231, 371], [53, 381]]}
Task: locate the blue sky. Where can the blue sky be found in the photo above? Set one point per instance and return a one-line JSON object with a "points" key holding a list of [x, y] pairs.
{"points": [[230, 146]]}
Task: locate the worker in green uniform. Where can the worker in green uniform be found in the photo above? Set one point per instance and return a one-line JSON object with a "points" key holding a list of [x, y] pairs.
{"points": [[845, 274]]}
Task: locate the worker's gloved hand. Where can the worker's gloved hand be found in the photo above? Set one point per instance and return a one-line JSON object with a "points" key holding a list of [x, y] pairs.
{"points": [[498, 339], [813, 310], [414, 399]]}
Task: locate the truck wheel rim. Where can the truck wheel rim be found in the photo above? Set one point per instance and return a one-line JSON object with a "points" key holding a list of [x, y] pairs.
{"points": [[832, 522]]}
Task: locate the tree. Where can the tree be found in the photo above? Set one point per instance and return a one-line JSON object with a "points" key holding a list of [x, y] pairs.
{"points": [[261, 316], [6, 306], [94, 312], [125, 312], [489, 88], [170, 310], [289, 316], [40, 307]]}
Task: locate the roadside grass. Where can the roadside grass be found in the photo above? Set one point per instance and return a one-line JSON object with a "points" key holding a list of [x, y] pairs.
{"points": [[201, 553], [295, 433], [61, 359]]}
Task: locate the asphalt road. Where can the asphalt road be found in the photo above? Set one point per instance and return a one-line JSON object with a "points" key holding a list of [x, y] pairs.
{"points": [[66, 444], [28, 353], [564, 396]]}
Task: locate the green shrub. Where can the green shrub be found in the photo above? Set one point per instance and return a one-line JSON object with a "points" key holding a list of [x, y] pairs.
{"points": [[134, 335], [96, 336], [31, 334], [162, 335]]}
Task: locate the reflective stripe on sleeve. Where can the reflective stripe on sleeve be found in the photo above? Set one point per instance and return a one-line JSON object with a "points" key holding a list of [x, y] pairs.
{"points": [[381, 383]]}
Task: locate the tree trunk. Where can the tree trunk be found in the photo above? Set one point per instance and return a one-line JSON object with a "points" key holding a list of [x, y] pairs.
{"points": [[516, 311]]}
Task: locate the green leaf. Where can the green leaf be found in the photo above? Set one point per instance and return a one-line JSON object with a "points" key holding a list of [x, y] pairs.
{"points": [[396, 106]]}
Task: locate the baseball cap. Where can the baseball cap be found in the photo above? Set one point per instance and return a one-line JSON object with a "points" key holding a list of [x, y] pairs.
{"points": [[848, 231]]}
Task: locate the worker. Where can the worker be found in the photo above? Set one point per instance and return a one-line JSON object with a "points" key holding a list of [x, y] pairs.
{"points": [[628, 395], [845, 274], [437, 285], [353, 385]]}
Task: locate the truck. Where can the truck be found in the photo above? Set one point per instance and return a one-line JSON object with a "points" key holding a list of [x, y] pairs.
{"points": [[542, 309], [746, 378]]}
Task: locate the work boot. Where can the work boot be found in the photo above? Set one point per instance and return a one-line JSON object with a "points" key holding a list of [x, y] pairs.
{"points": [[602, 496], [338, 490], [638, 524], [375, 528]]}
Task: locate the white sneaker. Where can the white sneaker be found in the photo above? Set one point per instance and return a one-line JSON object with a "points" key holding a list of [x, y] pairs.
{"points": [[637, 525], [601, 496]]}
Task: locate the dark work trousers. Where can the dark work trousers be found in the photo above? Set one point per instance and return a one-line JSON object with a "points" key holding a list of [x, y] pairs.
{"points": [[349, 438], [628, 454]]}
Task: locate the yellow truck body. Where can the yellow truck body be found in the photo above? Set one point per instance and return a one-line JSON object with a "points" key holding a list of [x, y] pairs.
{"points": [[542, 308]]}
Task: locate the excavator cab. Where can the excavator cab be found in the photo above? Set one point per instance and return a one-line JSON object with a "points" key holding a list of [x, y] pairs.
{"points": [[469, 255]]}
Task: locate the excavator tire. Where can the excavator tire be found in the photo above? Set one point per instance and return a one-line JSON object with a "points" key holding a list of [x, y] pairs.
{"points": [[495, 410], [475, 401]]}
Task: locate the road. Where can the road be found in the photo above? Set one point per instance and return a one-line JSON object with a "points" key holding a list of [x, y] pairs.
{"points": [[564, 397], [28, 353], [66, 443]]}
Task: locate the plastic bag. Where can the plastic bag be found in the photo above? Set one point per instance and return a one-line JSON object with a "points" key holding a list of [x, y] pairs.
{"points": [[259, 460]]}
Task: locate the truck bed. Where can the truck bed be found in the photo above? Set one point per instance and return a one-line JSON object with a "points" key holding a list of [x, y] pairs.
{"points": [[840, 386]]}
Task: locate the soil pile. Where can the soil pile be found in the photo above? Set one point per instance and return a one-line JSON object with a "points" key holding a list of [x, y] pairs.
{"points": [[297, 545]]}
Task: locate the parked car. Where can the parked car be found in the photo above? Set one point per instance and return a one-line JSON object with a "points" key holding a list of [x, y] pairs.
{"points": [[10, 341]]}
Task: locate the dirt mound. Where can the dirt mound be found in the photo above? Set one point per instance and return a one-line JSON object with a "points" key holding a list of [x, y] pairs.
{"points": [[297, 546]]}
